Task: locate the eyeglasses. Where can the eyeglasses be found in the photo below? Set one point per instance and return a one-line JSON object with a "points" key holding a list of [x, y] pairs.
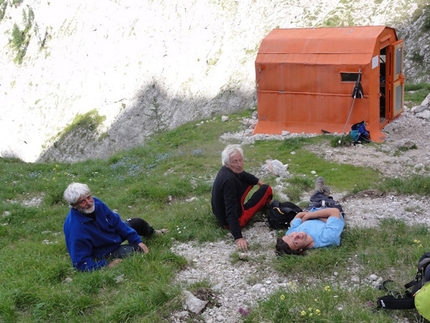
{"points": [[84, 201]]}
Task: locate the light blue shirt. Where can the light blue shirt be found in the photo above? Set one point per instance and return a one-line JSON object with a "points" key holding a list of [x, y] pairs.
{"points": [[324, 234]]}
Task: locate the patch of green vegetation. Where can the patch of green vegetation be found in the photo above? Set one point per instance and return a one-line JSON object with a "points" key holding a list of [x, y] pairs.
{"points": [[426, 24], [156, 116], [214, 60], [313, 293], [341, 141], [412, 185], [252, 51], [334, 21], [89, 121], [416, 93], [416, 57], [408, 148], [21, 38], [422, 7], [3, 7]]}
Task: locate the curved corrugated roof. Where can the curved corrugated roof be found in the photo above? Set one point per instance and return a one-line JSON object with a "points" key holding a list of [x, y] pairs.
{"points": [[334, 40], [316, 59]]}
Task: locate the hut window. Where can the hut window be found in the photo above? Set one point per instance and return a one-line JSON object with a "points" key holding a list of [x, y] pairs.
{"points": [[349, 77], [399, 60]]}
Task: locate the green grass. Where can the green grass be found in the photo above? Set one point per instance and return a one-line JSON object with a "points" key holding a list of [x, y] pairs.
{"points": [[168, 182], [319, 287], [416, 93]]}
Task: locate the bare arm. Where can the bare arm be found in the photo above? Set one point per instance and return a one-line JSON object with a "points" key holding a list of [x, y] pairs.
{"points": [[322, 214]]}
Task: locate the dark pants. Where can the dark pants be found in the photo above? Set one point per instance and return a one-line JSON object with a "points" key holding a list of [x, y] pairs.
{"points": [[142, 228], [124, 251], [317, 198]]}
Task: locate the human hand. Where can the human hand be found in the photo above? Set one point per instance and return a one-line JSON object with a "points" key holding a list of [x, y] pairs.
{"points": [[241, 244], [143, 247], [114, 263]]}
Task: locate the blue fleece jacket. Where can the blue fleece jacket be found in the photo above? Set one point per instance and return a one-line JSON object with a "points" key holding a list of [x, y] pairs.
{"points": [[89, 241]]}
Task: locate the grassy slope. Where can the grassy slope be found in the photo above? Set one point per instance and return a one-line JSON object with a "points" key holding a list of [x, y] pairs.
{"points": [[39, 284]]}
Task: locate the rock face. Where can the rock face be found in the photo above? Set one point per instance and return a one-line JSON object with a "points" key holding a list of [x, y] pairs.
{"points": [[129, 68]]}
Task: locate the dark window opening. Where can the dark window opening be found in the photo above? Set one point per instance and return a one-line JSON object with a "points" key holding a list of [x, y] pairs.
{"points": [[349, 77]]}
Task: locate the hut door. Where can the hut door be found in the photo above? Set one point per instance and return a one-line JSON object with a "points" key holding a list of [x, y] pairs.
{"points": [[398, 78], [383, 91]]}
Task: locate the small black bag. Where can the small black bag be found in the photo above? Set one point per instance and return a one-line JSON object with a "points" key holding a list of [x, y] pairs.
{"points": [[280, 214], [405, 300]]}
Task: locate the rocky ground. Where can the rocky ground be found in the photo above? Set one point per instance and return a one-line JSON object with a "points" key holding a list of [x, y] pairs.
{"points": [[238, 285]]}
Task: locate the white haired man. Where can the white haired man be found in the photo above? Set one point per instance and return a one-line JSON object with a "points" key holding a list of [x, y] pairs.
{"points": [[230, 189], [94, 234]]}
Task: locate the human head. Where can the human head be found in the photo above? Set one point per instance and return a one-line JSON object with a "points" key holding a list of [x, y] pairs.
{"points": [[283, 248], [228, 152], [232, 157], [78, 196]]}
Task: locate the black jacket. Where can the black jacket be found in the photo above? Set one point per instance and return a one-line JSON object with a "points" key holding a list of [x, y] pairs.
{"points": [[227, 192]]}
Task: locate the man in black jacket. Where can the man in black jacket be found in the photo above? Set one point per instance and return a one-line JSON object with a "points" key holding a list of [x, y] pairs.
{"points": [[230, 189]]}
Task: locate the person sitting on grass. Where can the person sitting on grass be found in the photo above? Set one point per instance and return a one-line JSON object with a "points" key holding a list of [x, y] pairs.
{"points": [[94, 234], [230, 190], [316, 228]]}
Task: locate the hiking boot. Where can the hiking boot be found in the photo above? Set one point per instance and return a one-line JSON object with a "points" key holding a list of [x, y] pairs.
{"points": [[325, 190], [161, 231], [319, 184]]}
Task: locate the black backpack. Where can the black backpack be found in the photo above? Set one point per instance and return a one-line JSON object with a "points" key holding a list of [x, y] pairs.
{"points": [[404, 300], [280, 214]]}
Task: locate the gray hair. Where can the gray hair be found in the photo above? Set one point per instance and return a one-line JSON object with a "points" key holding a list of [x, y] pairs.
{"points": [[74, 191], [229, 151]]}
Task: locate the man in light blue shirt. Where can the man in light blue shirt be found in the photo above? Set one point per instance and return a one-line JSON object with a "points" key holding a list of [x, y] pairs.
{"points": [[317, 228]]}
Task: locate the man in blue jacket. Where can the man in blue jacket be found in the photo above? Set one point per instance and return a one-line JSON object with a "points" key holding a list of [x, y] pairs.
{"points": [[94, 234]]}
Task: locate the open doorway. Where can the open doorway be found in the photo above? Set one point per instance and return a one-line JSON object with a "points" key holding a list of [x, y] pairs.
{"points": [[383, 85]]}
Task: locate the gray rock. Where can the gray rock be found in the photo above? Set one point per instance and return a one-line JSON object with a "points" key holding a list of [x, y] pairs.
{"points": [[194, 304]]}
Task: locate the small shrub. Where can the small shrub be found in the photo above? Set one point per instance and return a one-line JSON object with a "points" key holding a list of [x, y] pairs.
{"points": [[417, 57], [426, 24], [21, 38], [341, 141]]}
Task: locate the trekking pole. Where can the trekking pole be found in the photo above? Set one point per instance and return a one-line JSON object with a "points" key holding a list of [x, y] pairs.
{"points": [[357, 91], [349, 115]]}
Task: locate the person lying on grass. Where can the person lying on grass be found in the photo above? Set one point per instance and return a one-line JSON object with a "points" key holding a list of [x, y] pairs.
{"points": [[94, 234], [317, 228]]}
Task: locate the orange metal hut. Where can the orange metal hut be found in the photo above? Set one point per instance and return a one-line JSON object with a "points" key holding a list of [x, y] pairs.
{"points": [[306, 78]]}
